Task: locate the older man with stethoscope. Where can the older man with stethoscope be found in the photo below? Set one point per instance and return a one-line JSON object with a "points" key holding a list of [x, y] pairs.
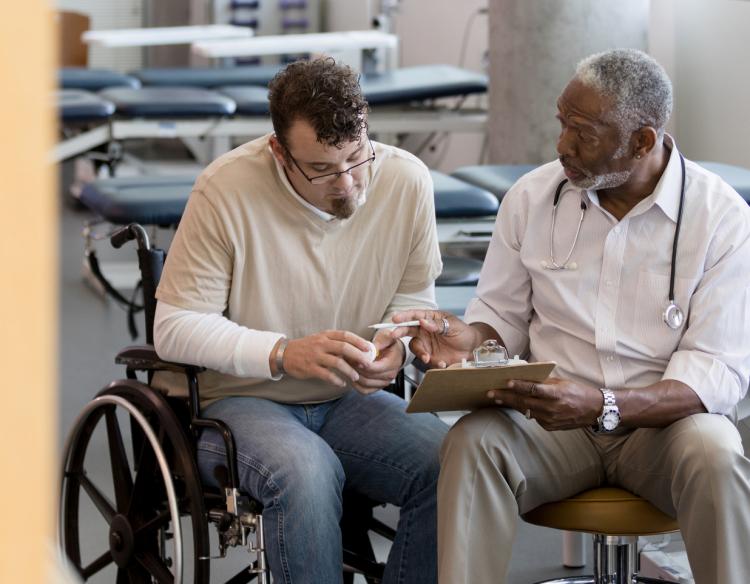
{"points": [[630, 267]]}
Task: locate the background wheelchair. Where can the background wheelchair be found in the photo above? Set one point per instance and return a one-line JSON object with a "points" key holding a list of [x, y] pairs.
{"points": [[155, 514]]}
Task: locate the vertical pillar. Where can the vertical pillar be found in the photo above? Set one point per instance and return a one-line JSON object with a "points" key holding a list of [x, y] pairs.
{"points": [[534, 48], [28, 295]]}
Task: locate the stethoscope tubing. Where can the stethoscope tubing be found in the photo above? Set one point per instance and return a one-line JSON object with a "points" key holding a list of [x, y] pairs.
{"points": [[673, 315]]}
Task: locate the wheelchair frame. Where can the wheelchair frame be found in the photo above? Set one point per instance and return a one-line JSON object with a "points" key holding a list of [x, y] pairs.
{"points": [[165, 484]]}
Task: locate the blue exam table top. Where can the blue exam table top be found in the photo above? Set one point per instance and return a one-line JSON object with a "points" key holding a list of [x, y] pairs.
{"points": [[422, 82], [403, 85], [94, 79], [455, 198], [207, 77], [496, 178], [76, 105], [148, 200], [160, 200], [168, 102], [735, 176]]}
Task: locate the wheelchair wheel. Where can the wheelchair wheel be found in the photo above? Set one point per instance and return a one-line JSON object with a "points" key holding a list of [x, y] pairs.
{"points": [[140, 491]]}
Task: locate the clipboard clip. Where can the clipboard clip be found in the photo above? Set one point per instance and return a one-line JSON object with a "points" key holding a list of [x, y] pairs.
{"points": [[491, 354]]}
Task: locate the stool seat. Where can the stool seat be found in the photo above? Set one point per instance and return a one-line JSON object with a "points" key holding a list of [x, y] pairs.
{"points": [[604, 511]]}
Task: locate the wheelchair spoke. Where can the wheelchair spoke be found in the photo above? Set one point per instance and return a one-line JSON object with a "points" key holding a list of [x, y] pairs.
{"points": [[160, 520], [121, 477], [143, 484], [103, 504], [155, 567], [101, 562]]}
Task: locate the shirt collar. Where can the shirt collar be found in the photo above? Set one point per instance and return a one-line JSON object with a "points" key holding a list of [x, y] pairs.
{"points": [[325, 216], [668, 190]]}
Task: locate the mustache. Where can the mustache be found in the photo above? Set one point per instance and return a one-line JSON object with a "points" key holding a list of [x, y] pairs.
{"points": [[566, 164]]}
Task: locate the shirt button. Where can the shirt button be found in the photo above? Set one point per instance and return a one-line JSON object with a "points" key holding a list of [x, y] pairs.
{"points": [[610, 357], [616, 229]]}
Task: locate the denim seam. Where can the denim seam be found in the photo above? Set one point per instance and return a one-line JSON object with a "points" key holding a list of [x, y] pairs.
{"points": [[370, 458]]}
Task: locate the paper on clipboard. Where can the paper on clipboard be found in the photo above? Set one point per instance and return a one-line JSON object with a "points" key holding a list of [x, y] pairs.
{"points": [[459, 388]]}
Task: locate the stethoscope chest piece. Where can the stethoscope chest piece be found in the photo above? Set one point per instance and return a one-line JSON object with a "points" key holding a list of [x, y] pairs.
{"points": [[673, 316]]}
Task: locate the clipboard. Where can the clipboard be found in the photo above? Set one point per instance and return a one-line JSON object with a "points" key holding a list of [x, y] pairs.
{"points": [[465, 388]]}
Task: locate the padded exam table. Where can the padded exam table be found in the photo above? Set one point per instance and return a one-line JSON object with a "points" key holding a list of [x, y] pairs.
{"points": [[161, 200]]}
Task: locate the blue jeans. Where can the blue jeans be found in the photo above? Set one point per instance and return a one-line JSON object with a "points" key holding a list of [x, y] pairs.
{"points": [[295, 460]]}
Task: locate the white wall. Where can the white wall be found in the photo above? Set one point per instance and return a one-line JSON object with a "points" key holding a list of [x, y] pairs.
{"points": [[705, 47], [432, 31]]}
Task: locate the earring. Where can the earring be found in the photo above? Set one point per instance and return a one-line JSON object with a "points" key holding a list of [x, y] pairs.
{"points": [[637, 156]]}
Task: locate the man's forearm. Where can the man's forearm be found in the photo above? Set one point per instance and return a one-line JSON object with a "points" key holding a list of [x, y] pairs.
{"points": [[657, 405]]}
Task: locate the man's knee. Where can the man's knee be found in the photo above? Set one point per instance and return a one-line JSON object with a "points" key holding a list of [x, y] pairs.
{"points": [[709, 449], [467, 438]]}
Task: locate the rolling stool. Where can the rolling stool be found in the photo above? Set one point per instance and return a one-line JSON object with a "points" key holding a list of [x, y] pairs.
{"points": [[616, 518]]}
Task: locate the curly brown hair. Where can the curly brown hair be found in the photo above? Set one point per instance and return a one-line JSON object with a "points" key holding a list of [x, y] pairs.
{"points": [[325, 94]]}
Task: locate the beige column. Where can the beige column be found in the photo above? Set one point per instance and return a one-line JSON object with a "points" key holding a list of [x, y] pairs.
{"points": [[28, 295], [534, 47]]}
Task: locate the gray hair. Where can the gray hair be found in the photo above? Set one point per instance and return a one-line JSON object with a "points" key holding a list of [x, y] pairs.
{"points": [[638, 86]]}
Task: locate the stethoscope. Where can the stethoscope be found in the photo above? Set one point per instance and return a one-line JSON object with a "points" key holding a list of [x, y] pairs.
{"points": [[673, 315]]}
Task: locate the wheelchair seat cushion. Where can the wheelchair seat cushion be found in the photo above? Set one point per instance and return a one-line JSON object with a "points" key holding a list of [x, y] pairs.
{"points": [[168, 102], [155, 200], [455, 198], [207, 77], [94, 79], [496, 178], [76, 105]]}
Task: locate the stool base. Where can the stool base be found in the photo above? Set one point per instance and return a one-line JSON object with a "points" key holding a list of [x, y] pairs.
{"points": [[615, 562]]}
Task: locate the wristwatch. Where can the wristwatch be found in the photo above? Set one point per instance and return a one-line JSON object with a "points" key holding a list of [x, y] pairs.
{"points": [[610, 417]]}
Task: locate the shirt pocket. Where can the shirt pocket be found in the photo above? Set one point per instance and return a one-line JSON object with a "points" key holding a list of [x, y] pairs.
{"points": [[651, 335]]}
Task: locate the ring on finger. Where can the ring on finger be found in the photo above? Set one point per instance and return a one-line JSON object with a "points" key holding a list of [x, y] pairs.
{"points": [[446, 326], [532, 391], [527, 413]]}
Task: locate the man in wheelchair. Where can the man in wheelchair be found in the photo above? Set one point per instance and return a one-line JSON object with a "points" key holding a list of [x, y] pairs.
{"points": [[290, 247]]}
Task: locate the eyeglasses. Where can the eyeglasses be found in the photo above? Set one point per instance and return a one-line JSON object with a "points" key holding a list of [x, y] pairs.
{"points": [[332, 176]]}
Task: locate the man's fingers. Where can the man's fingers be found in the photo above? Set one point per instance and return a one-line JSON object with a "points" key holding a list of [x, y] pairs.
{"points": [[419, 348], [348, 337], [339, 364], [532, 389]]}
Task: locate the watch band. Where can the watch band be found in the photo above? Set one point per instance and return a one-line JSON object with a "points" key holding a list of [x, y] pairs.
{"points": [[609, 396], [609, 411], [279, 359]]}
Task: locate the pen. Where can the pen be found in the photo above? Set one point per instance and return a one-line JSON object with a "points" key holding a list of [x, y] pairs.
{"points": [[389, 325]]}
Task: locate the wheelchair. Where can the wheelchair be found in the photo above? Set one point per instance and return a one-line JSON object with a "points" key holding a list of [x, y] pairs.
{"points": [[156, 513]]}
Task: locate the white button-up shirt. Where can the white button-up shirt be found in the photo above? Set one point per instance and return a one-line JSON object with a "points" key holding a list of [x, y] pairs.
{"points": [[602, 321]]}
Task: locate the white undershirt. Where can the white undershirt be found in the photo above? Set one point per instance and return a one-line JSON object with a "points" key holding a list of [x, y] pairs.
{"points": [[212, 340]]}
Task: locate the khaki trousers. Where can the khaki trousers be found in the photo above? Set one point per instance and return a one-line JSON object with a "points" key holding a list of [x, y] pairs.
{"points": [[496, 464]]}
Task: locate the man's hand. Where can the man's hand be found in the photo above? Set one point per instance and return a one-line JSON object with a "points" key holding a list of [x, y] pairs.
{"points": [[440, 340], [381, 372], [557, 404], [330, 356]]}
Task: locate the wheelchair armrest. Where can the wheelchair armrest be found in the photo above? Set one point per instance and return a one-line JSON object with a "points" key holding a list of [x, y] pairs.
{"points": [[144, 358]]}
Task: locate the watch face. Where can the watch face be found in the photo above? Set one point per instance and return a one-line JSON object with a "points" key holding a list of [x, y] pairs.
{"points": [[610, 420]]}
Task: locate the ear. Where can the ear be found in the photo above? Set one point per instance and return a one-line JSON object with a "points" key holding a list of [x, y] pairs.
{"points": [[644, 140], [278, 150]]}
